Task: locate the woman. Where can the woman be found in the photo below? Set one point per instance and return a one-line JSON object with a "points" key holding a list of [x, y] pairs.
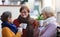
{"points": [[24, 17], [50, 24], [8, 28]]}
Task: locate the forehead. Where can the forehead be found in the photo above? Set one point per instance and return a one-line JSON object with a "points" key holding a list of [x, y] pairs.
{"points": [[24, 11]]}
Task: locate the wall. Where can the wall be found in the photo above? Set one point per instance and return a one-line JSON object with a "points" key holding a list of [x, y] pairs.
{"points": [[57, 8], [14, 10], [57, 5], [50, 3]]}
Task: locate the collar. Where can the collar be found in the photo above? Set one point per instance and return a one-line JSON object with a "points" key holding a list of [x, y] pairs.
{"points": [[50, 20]]}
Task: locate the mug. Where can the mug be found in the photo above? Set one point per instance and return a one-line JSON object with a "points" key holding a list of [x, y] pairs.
{"points": [[23, 25]]}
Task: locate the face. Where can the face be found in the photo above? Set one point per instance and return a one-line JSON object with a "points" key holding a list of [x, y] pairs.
{"points": [[44, 15], [24, 13], [9, 20]]}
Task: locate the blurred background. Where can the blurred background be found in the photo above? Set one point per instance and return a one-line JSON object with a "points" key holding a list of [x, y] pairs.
{"points": [[35, 7]]}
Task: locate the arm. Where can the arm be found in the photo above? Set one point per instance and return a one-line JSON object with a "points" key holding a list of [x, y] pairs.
{"points": [[6, 32], [16, 22], [36, 30], [50, 32], [36, 24], [18, 34]]}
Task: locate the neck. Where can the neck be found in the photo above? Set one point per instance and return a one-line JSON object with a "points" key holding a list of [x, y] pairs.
{"points": [[24, 20]]}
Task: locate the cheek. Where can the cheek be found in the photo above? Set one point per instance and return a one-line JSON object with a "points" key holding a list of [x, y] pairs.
{"points": [[24, 15], [27, 14], [21, 14], [44, 16], [10, 20]]}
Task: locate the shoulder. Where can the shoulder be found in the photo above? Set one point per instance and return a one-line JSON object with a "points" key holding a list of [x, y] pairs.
{"points": [[16, 20], [31, 20], [54, 24], [34, 21], [5, 29], [6, 32]]}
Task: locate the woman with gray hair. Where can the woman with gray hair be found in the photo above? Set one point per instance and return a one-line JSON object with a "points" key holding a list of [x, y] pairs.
{"points": [[50, 24]]}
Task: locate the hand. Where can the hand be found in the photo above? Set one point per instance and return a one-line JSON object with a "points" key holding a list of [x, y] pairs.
{"points": [[20, 30], [21, 25]]}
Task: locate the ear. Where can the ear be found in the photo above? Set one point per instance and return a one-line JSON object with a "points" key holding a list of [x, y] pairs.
{"points": [[8, 19]]}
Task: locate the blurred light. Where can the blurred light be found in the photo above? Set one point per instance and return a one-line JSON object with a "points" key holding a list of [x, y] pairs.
{"points": [[0, 2], [36, 3], [18, 2], [31, 3], [47, 3]]}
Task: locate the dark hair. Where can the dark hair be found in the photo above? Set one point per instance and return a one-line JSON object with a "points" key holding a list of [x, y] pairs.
{"points": [[24, 7], [5, 15]]}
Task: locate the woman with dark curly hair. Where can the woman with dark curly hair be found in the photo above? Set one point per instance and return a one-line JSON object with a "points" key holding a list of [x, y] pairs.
{"points": [[8, 28]]}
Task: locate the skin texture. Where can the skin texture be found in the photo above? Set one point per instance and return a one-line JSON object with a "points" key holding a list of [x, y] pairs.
{"points": [[24, 13]]}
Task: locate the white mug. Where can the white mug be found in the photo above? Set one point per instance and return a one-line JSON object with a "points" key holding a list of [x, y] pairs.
{"points": [[23, 25]]}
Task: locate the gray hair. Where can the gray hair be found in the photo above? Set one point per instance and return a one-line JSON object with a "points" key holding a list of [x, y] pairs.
{"points": [[49, 11]]}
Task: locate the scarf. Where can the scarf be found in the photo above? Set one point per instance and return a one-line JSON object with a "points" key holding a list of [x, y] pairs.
{"points": [[50, 20], [29, 25], [11, 26], [23, 20]]}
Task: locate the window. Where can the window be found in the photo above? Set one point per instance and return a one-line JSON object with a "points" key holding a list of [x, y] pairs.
{"points": [[12, 2]]}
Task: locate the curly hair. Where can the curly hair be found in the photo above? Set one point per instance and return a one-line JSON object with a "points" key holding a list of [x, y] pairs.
{"points": [[5, 15]]}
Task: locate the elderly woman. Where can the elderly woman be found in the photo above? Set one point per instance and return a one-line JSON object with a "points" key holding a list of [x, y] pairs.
{"points": [[49, 28]]}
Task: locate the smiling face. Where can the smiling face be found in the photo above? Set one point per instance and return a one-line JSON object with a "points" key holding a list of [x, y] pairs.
{"points": [[24, 13]]}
